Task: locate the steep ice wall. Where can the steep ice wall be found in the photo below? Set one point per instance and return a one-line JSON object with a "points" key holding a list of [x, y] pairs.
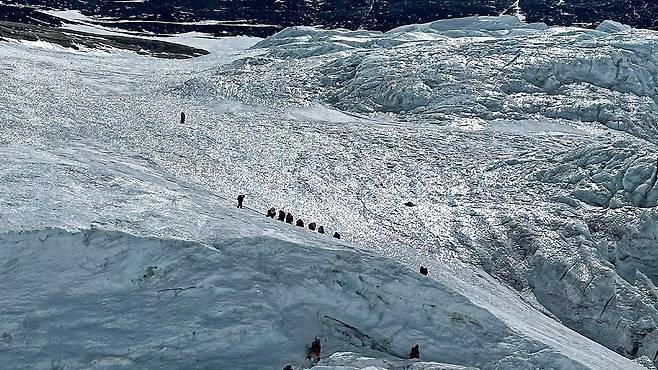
{"points": [[608, 176], [105, 299], [566, 271]]}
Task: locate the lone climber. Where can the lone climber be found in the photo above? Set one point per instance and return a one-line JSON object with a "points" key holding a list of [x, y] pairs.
{"points": [[182, 118], [423, 270], [415, 353], [336, 235], [240, 200], [315, 349]]}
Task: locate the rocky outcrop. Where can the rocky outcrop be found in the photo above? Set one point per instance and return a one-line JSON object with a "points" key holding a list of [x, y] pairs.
{"points": [[77, 40], [265, 17]]}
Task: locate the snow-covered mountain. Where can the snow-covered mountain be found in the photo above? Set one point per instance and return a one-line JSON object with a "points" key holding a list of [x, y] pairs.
{"points": [[264, 17], [527, 153]]}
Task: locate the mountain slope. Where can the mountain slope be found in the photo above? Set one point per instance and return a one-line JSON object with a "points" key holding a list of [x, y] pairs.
{"points": [[533, 191], [105, 299], [541, 169], [265, 17]]}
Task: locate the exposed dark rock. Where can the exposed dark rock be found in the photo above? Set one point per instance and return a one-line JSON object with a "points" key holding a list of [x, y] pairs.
{"points": [[75, 40], [636, 13], [27, 15], [265, 17]]}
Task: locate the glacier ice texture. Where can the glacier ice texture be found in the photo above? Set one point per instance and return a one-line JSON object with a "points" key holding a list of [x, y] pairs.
{"points": [[528, 150]]}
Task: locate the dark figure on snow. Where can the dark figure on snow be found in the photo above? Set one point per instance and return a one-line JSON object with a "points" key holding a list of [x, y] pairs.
{"points": [[415, 353], [288, 367], [423, 270], [282, 215], [321, 229], [336, 235], [240, 200], [182, 118], [311, 226], [300, 223], [289, 218], [410, 204], [315, 349], [271, 213]]}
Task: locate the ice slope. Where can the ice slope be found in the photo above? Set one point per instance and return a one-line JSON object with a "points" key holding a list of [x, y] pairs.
{"points": [[239, 285], [248, 300], [547, 191], [536, 221]]}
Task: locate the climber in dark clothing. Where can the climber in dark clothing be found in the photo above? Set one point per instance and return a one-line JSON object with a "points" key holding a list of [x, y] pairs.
{"points": [[311, 226], [336, 235], [282, 215], [423, 270], [182, 118], [300, 223], [415, 353], [288, 367], [240, 200], [289, 218], [315, 349], [321, 229], [271, 213]]}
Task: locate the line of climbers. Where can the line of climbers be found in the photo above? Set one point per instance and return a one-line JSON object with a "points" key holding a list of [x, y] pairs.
{"points": [[289, 218], [316, 347]]}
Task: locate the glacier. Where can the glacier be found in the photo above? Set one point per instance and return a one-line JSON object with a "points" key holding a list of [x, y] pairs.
{"points": [[124, 301], [529, 152]]}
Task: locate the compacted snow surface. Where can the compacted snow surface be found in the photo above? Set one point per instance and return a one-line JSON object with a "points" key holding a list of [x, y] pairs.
{"points": [[528, 153]]}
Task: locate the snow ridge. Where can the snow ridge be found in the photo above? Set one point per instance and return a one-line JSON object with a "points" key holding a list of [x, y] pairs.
{"points": [[170, 304]]}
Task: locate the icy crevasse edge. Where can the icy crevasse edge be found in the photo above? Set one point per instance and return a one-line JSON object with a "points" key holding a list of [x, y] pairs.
{"points": [[239, 302]]}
